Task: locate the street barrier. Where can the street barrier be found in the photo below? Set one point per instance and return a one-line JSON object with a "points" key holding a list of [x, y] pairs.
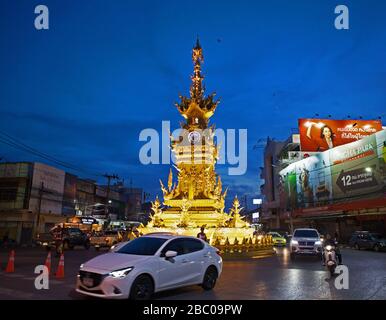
{"points": [[60, 270], [11, 262]]}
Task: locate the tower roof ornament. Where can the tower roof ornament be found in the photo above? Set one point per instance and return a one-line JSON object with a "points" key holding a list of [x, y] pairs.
{"points": [[197, 109], [196, 88]]}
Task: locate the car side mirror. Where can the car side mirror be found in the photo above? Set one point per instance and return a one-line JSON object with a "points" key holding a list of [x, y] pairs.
{"points": [[170, 254]]}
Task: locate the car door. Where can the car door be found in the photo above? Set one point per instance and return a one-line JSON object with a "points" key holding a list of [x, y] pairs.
{"points": [[364, 242], [176, 271], [360, 241], [197, 258]]}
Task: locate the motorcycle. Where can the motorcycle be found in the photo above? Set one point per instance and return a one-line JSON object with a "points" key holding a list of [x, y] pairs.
{"points": [[330, 258]]}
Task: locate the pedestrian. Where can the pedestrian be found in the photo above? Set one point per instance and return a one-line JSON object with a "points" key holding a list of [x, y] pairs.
{"points": [[202, 235], [136, 232], [57, 235]]}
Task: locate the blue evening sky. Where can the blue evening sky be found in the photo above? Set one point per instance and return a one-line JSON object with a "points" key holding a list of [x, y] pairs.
{"points": [[84, 89]]}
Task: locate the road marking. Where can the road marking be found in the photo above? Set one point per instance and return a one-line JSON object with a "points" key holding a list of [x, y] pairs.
{"points": [[16, 293], [13, 275]]}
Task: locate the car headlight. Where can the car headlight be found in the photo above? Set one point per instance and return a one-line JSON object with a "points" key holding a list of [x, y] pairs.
{"points": [[318, 243], [294, 242], [81, 266], [328, 248], [121, 273]]}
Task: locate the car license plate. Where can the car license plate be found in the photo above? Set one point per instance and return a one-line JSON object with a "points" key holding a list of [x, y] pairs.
{"points": [[88, 282]]}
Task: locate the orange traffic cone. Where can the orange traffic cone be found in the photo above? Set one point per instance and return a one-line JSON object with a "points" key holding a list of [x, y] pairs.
{"points": [[48, 262], [11, 262], [60, 270]]}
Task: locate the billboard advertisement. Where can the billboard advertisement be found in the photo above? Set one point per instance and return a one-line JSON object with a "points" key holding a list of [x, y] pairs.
{"points": [[318, 135], [353, 171]]}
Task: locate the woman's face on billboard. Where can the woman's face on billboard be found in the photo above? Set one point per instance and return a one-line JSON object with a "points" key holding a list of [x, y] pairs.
{"points": [[326, 132]]}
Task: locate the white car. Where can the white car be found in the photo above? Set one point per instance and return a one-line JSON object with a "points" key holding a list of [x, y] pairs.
{"points": [[148, 264], [306, 241]]}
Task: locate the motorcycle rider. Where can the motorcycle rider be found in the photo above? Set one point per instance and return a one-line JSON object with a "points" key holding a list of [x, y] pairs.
{"points": [[332, 242]]}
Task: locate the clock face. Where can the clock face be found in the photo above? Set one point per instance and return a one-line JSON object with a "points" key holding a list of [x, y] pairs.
{"points": [[194, 137]]}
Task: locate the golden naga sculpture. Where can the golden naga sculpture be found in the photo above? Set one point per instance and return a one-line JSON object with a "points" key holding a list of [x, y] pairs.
{"points": [[195, 198]]}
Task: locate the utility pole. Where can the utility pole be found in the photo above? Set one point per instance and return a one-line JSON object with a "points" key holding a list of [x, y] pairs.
{"points": [[37, 220], [109, 177]]}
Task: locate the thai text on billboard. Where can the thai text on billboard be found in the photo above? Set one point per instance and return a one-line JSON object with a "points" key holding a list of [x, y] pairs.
{"points": [[318, 135]]}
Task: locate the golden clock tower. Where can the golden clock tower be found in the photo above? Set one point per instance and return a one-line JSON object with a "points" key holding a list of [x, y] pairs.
{"points": [[195, 198]]}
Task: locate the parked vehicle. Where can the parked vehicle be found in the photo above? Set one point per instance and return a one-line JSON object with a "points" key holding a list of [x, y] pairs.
{"points": [[148, 264], [367, 240], [306, 242], [105, 239], [278, 239], [63, 238]]}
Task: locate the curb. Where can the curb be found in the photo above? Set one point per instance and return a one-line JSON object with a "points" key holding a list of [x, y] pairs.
{"points": [[262, 253]]}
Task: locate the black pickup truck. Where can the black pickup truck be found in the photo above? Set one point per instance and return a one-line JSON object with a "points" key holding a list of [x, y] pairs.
{"points": [[67, 238]]}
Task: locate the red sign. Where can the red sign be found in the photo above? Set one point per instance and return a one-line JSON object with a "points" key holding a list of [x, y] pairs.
{"points": [[317, 135]]}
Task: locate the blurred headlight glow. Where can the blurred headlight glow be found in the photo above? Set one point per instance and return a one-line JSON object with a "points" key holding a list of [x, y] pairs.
{"points": [[121, 273]]}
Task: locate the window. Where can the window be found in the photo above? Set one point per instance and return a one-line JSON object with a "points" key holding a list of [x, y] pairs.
{"points": [[8, 190], [174, 245], [145, 246], [306, 234], [74, 232], [192, 245]]}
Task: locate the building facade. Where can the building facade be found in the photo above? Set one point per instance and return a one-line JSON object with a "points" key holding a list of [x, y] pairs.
{"points": [[31, 197], [337, 191], [35, 196]]}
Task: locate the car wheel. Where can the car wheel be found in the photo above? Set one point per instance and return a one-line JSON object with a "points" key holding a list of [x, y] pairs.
{"points": [[376, 248], [142, 288], [210, 278], [87, 245], [292, 256], [357, 246]]}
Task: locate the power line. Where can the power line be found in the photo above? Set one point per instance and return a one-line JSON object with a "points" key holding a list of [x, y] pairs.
{"points": [[11, 141]]}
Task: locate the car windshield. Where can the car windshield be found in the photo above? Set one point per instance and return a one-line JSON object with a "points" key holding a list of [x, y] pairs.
{"points": [[306, 234], [145, 246], [376, 236], [275, 235]]}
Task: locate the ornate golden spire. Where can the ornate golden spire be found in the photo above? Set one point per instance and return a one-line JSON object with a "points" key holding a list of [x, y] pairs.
{"points": [[197, 109], [196, 88]]}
